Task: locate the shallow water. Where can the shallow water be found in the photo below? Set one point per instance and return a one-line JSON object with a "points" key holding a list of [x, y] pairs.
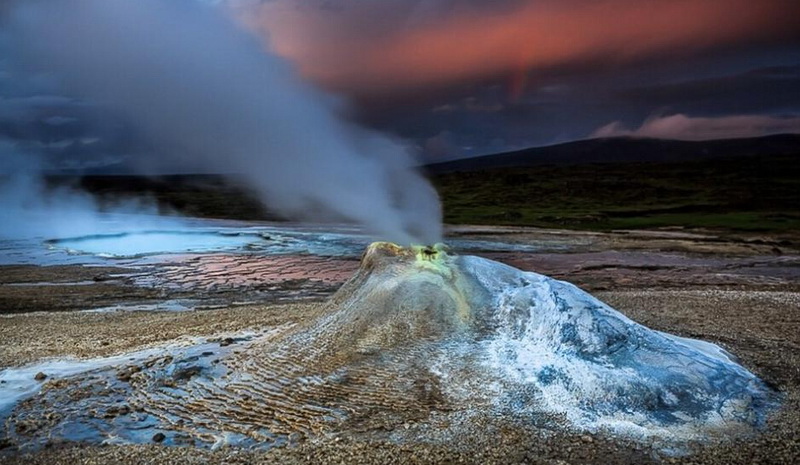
{"points": [[123, 240], [95, 400]]}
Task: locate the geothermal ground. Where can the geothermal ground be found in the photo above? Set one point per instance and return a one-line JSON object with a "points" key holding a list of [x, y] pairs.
{"points": [[72, 304]]}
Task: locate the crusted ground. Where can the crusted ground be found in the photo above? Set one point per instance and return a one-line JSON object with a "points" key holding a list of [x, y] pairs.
{"points": [[754, 314]]}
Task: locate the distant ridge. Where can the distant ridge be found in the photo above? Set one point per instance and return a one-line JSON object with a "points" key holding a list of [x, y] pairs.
{"points": [[625, 150]]}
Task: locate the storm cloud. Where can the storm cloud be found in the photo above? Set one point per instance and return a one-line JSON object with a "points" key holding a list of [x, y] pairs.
{"points": [[458, 78], [551, 70], [377, 46]]}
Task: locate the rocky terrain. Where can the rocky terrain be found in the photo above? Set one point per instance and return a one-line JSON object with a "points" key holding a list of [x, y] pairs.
{"points": [[740, 292]]}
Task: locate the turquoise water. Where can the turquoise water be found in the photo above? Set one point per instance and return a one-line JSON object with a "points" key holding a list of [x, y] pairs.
{"points": [[160, 242], [121, 238]]}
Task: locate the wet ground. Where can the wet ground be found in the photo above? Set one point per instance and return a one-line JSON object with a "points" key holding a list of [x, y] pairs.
{"points": [[92, 296], [204, 264]]}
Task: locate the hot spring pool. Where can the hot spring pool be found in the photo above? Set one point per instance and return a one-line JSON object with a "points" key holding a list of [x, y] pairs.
{"points": [[133, 237], [135, 244]]}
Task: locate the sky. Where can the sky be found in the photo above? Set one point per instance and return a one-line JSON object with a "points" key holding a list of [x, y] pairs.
{"points": [[456, 78]]}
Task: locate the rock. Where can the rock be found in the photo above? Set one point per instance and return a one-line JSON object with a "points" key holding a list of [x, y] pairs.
{"points": [[159, 437], [226, 342], [186, 373], [126, 373], [40, 376], [115, 411]]}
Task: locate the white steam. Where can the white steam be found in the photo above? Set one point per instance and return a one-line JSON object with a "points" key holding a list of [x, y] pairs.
{"points": [[206, 93], [29, 208]]}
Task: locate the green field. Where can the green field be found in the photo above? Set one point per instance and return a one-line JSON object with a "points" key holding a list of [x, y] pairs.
{"points": [[742, 193]]}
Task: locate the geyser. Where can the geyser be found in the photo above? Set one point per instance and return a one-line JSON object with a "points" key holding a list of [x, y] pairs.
{"points": [[422, 336], [207, 96]]}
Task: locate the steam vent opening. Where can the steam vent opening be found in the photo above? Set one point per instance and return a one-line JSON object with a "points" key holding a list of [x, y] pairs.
{"points": [[418, 336]]}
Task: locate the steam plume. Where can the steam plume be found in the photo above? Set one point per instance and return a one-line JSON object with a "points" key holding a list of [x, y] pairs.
{"points": [[203, 90], [32, 209]]}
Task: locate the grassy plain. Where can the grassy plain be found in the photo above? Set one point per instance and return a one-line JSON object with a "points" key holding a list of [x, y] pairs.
{"points": [[743, 193]]}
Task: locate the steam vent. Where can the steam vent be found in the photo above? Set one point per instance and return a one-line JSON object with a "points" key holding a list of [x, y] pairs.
{"points": [[417, 337]]}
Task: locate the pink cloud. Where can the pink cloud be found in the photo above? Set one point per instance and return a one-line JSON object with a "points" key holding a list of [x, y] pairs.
{"points": [[684, 127], [380, 46]]}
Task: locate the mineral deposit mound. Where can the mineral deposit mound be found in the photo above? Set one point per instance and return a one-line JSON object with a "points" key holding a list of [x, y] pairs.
{"points": [[418, 336]]}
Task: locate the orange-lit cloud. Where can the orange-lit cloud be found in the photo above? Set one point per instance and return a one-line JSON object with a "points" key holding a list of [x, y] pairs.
{"points": [[683, 127], [366, 47]]}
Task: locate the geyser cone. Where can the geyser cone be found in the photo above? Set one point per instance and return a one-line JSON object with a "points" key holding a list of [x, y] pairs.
{"points": [[400, 297], [422, 336], [545, 345]]}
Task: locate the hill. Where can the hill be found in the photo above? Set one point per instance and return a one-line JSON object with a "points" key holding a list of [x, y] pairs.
{"points": [[626, 149]]}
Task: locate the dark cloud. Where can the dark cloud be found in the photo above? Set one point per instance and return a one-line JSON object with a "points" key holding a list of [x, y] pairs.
{"points": [[769, 89], [391, 46], [69, 134], [502, 75], [465, 77]]}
